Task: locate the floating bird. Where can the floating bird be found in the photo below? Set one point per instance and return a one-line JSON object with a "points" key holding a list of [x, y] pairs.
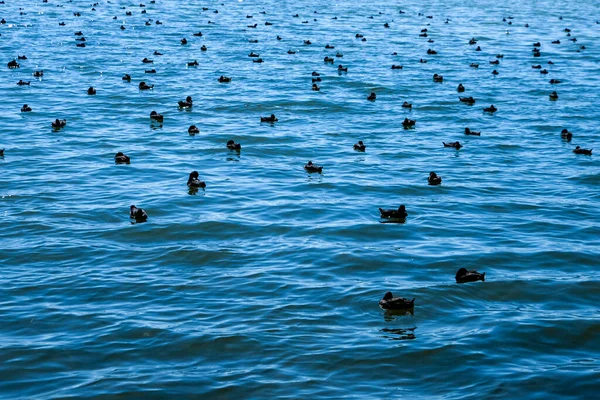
{"points": [[406, 105], [156, 116], [464, 276], [269, 119], [434, 179], [438, 78], [187, 103], [372, 97], [126, 77], [121, 158], [400, 213], [193, 129], [490, 109], [23, 83], [579, 150], [144, 86], [25, 108], [310, 167], [408, 123], [139, 214], [460, 88], [224, 79], [59, 123], [360, 146], [565, 134], [455, 145], [553, 96], [232, 145], [468, 100], [91, 91], [389, 302], [472, 133], [194, 182]]}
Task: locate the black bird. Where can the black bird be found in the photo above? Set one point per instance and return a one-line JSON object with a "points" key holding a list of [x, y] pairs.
{"points": [[194, 182], [139, 214], [400, 213], [121, 158], [434, 179], [579, 150], [389, 302], [464, 276]]}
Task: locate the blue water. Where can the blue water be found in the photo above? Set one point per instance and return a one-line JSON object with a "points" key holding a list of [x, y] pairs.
{"points": [[266, 284]]}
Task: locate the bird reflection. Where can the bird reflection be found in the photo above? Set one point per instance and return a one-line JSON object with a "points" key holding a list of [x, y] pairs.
{"points": [[399, 333]]}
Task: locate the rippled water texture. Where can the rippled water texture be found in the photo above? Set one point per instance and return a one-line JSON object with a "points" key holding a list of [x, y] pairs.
{"points": [[266, 284]]}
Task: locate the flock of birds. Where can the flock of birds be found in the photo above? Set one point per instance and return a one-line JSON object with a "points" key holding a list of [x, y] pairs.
{"points": [[139, 215]]}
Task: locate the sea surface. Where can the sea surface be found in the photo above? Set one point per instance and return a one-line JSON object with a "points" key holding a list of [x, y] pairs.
{"points": [[266, 283]]}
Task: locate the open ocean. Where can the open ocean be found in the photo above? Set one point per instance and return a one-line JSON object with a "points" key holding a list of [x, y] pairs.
{"points": [[266, 283]]}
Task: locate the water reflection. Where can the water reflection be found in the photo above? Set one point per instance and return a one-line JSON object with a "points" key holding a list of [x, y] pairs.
{"points": [[399, 333]]}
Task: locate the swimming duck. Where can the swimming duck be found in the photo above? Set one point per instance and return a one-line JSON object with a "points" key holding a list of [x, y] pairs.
{"points": [[316, 87], [187, 103], [279, 37], [197, 34], [126, 77], [455, 145], [139, 214], [91, 91], [307, 42], [431, 52], [553, 96], [556, 42], [537, 66], [468, 100], [422, 61], [408, 123], [464, 276], [499, 55], [144, 86], [193, 129], [23, 83], [389, 302], [460, 88], [341, 68], [23, 57], [328, 46], [121, 158], [544, 72], [394, 66], [147, 61], [315, 73], [270, 119], [579, 150], [360, 146], [495, 62], [478, 48], [494, 72], [291, 51], [184, 41], [157, 53], [13, 64], [317, 79], [339, 55], [192, 63], [80, 44], [472, 41], [422, 35], [252, 26], [224, 79], [372, 97], [1, 152], [258, 60], [150, 71], [554, 81], [203, 48], [358, 35], [310, 167], [565, 134], [386, 25], [59, 123], [490, 109], [25, 108], [473, 65], [434, 179], [328, 60], [472, 133], [438, 78], [253, 54], [400, 213], [406, 105], [232, 145], [156, 116]]}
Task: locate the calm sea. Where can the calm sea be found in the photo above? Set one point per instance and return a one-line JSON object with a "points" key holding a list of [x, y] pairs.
{"points": [[266, 284]]}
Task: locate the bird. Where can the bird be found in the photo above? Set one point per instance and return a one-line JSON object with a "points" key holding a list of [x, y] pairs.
{"points": [[467, 100], [360, 146], [139, 214], [400, 213], [389, 302], [194, 182], [127, 78], [579, 150], [455, 145], [193, 129], [156, 116], [472, 133], [187, 103], [270, 119], [434, 179], [310, 167], [438, 78], [224, 79], [232, 145], [121, 158], [91, 91], [406, 104], [59, 123], [192, 63], [408, 123], [25, 108], [144, 86], [460, 88], [464, 276], [372, 97], [553, 96], [490, 109], [565, 134]]}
